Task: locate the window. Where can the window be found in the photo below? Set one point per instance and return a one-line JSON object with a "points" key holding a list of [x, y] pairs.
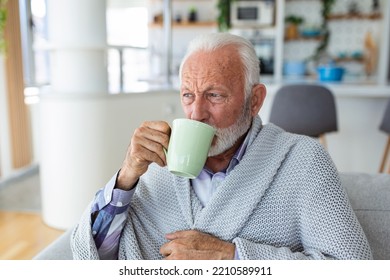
{"points": [[127, 37]]}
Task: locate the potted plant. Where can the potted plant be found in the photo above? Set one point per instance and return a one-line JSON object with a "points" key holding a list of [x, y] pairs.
{"points": [[3, 88], [292, 26], [193, 14], [323, 45], [223, 19], [3, 18]]}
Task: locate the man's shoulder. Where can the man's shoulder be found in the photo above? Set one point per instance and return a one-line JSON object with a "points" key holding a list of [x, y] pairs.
{"points": [[279, 133], [276, 137], [275, 133], [300, 152]]}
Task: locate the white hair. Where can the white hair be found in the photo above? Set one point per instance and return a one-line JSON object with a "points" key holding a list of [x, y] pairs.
{"points": [[213, 41]]}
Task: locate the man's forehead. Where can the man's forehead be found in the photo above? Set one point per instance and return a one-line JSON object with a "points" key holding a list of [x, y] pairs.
{"points": [[219, 58]]}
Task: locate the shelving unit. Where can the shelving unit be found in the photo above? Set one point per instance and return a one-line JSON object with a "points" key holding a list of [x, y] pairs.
{"points": [[372, 16], [350, 59], [162, 64], [348, 33], [186, 24], [206, 12], [304, 38]]}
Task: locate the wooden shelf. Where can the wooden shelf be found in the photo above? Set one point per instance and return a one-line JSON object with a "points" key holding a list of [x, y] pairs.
{"points": [[181, 0], [350, 59], [186, 24], [373, 16], [304, 38]]}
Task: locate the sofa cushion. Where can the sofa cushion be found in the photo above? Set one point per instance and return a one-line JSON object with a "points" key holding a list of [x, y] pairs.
{"points": [[369, 195], [57, 250]]}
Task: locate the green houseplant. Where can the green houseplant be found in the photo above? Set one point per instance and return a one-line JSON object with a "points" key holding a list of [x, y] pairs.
{"points": [[293, 19], [325, 13], [292, 24], [223, 19], [3, 18], [193, 14]]}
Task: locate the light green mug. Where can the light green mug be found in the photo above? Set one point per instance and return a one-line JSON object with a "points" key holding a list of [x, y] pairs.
{"points": [[188, 147]]}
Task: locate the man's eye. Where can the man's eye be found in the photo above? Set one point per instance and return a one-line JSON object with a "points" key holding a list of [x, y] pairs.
{"points": [[216, 97], [187, 97]]}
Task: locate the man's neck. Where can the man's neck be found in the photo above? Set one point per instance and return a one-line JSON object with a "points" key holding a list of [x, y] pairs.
{"points": [[221, 162]]}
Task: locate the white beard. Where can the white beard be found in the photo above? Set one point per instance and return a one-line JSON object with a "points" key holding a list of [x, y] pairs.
{"points": [[227, 137]]}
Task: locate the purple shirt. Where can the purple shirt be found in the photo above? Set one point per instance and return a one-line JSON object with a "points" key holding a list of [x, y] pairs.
{"points": [[110, 205]]}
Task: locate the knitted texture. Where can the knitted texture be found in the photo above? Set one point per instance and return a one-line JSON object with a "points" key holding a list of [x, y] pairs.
{"points": [[283, 200]]}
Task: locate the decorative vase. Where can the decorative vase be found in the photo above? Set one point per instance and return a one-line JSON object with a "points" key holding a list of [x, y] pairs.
{"points": [[292, 32]]}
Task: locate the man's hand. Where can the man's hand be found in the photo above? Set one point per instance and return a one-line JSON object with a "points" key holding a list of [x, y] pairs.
{"points": [[196, 245], [146, 146]]}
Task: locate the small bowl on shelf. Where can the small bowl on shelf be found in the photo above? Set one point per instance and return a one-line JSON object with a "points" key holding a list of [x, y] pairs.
{"points": [[310, 32], [294, 68], [329, 73]]}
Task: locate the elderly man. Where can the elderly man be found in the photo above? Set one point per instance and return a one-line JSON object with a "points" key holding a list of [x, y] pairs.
{"points": [[262, 194]]}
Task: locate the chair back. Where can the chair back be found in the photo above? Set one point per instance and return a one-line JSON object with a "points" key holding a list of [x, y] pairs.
{"points": [[306, 109], [385, 127], [385, 124]]}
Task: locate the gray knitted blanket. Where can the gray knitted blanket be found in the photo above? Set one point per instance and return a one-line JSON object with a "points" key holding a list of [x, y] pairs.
{"points": [[283, 200]]}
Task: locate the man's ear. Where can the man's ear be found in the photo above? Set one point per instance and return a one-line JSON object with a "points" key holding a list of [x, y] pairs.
{"points": [[257, 98]]}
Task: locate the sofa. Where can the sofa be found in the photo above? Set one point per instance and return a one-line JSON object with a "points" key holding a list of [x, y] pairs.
{"points": [[369, 195]]}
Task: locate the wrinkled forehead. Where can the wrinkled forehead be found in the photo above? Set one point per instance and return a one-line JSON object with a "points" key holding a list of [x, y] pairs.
{"points": [[224, 61], [224, 54]]}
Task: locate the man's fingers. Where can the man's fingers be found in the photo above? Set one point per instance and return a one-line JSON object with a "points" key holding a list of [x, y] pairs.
{"points": [[142, 157], [166, 249], [157, 131], [152, 135], [148, 143], [157, 125], [182, 234], [193, 244], [148, 150]]}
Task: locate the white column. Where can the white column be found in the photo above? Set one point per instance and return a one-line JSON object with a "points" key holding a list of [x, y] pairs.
{"points": [[5, 145], [77, 34], [73, 123], [279, 39]]}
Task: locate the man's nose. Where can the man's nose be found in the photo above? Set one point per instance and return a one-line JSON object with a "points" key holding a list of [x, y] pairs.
{"points": [[200, 110]]}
